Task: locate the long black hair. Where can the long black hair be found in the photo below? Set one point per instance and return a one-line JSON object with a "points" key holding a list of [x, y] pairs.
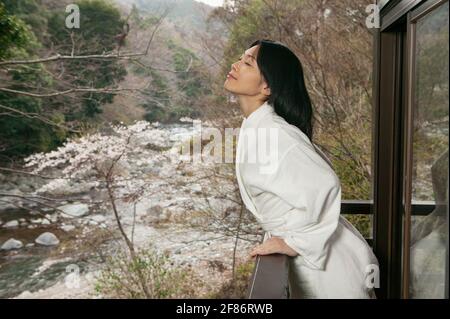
{"points": [[283, 72]]}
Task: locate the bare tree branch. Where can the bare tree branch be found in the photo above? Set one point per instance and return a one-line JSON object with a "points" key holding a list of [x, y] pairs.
{"points": [[15, 112], [108, 56], [73, 90]]}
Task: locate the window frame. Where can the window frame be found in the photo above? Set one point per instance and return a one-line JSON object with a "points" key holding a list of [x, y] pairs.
{"points": [[393, 74]]}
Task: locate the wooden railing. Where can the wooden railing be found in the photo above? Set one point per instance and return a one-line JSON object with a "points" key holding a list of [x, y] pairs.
{"points": [[270, 275]]}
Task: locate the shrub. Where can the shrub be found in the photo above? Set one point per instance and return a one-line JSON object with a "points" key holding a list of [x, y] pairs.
{"points": [[121, 277], [237, 287]]}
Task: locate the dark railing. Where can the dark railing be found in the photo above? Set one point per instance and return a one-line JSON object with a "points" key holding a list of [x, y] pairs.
{"points": [[270, 275], [270, 278]]}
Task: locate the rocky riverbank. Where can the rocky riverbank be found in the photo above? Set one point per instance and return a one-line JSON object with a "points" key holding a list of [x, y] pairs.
{"points": [[183, 212]]}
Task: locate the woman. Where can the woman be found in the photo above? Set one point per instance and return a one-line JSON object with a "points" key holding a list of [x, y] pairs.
{"points": [[296, 198]]}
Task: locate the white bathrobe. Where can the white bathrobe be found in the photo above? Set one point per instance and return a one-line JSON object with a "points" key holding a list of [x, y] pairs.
{"points": [[294, 193]]}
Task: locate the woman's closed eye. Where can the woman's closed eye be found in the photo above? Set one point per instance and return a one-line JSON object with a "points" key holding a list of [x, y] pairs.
{"points": [[245, 62]]}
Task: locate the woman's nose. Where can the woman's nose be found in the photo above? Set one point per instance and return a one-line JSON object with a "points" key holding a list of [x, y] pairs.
{"points": [[234, 66]]}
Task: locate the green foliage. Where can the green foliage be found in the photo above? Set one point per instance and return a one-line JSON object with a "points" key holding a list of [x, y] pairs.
{"points": [[355, 185], [172, 114], [123, 277], [141, 21], [159, 88], [158, 93], [160, 105], [15, 37], [32, 13], [193, 83], [178, 112], [362, 222], [237, 287], [28, 26], [100, 22], [23, 135]]}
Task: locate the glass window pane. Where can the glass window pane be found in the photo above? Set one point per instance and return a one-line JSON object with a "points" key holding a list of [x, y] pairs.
{"points": [[429, 233]]}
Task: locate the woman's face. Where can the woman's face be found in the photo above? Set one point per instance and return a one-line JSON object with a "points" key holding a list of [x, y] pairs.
{"points": [[245, 77]]}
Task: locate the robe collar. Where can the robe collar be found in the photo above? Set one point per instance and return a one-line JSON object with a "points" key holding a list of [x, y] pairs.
{"points": [[254, 117], [250, 122]]}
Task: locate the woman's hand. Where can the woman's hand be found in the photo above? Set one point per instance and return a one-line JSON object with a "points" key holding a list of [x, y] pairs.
{"points": [[273, 245]]}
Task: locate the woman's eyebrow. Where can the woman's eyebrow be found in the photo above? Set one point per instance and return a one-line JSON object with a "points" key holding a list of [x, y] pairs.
{"points": [[251, 56]]}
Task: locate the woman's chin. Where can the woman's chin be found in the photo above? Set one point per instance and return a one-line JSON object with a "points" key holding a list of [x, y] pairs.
{"points": [[227, 87]]}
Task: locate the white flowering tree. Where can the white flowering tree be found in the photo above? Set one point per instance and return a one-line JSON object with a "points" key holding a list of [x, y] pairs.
{"points": [[127, 164], [105, 161], [102, 161]]}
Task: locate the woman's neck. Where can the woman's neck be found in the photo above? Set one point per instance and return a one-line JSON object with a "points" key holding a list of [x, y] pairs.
{"points": [[248, 106]]}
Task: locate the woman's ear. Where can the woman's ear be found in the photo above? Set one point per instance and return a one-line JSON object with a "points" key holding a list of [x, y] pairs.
{"points": [[265, 87], [266, 90]]}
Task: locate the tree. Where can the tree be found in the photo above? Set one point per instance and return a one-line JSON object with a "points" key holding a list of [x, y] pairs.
{"points": [[22, 135], [44, 99], [100, 23], [334, 45]]}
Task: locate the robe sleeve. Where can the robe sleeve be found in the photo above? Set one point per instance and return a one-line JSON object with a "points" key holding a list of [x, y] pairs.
{"points": [[305, 181]]}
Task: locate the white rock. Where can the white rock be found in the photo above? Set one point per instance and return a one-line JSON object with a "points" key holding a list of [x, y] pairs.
{"points": [[97, 218], [11, 224], [54, 218], [45, 222], [68, 228], [196, 188], [186, 119], [36, 221], [11, 244], [153, 214], [25, 188], [74, 210], [25, 295], [29, 245], [47, 239], [4, 205]]}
